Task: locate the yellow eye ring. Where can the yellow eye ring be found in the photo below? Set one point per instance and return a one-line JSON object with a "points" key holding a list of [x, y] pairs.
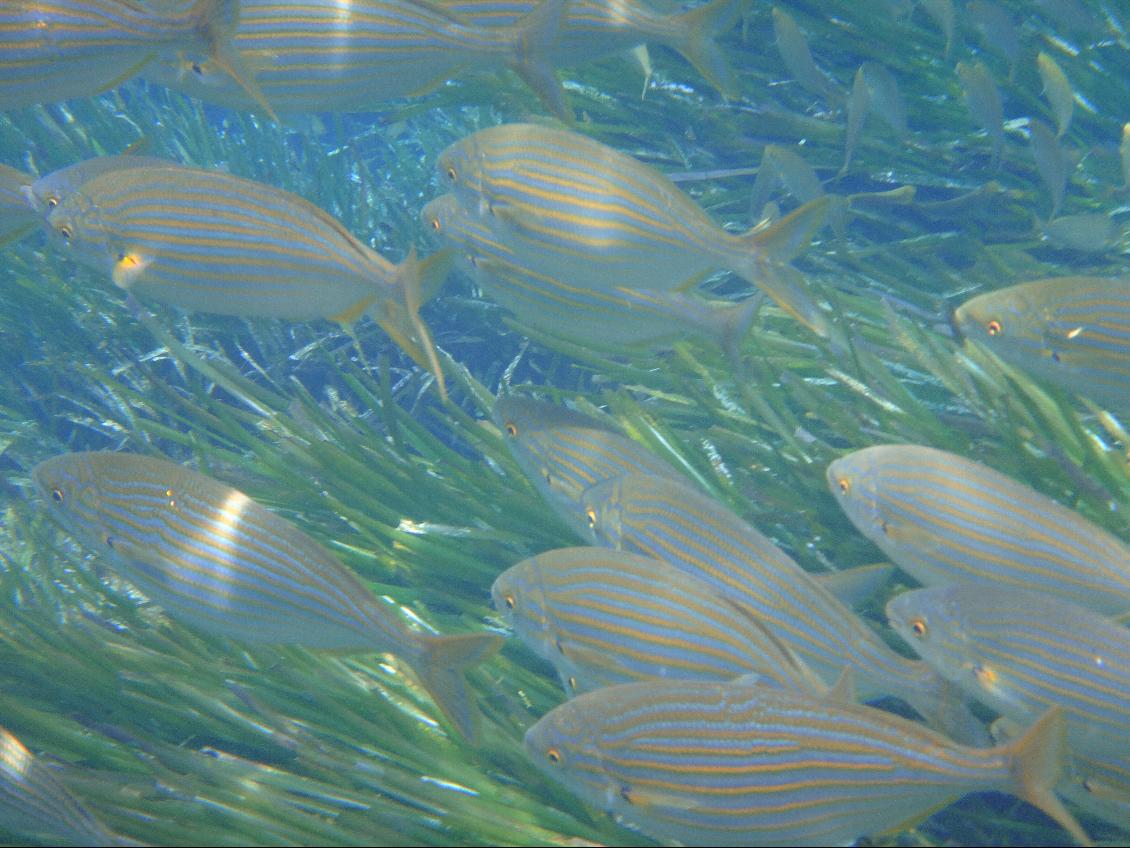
{"points": [[451, 174], [509, 601], [553, 755], [918, 628], [845, 485], [57, 495], [435, 224], [511, 429], [590, 514], [994, 327], [52, 202], [65, 232]]}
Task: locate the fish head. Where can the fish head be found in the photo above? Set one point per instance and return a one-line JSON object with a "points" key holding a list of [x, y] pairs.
{"points": [[563, 745], [68, 485], [602, 510], [930, 621], [852, 480], [437, 214], [1004, 321], [76, 224], [460, 171], [519, 596]]}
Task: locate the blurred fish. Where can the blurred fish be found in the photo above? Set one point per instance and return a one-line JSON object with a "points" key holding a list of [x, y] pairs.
{"points": [[1072, 331], [1021, 652], [215, 559], [886, 99], [1050, 162], [1057, 90], [614, 318], [587, 214], [47, 192], [353, 55], [787, 167], [665, 519], [999, 31], [942, 12], [738, 764], [77, 48], [604, 617], [793, 47], [1086, 233], [984, 101], [592, 29], [17, 218], [946, 519], [210, 241], [858, 104]]}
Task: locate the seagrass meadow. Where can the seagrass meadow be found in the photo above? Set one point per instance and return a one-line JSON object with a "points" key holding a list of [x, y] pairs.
{"points": [[169, 735]]}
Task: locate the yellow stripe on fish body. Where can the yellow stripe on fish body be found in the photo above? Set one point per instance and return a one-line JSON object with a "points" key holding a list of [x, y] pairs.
{"points": [[1022, 652], [946, 519], [353, 55], [737, 764], [47, 192], [665, 519], [588, 215], [1071, 331], [603, 617], [215, 559], [210, 241]]}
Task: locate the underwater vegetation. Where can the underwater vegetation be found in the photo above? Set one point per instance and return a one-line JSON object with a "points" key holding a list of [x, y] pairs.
{"points": [[958, 150]]}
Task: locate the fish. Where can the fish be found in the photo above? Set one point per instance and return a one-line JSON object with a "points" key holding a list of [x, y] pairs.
{"points": [[603, 617], [1057, 91], [1021, 652], [588, 215], [709, 763], [946, 519], [17, 218], [58, 50], [354, 55], [216, 560], [793, 48], [664, 519], [47, 192], [1073, 332], [213, 242], [1050, 162], [615, 318], [592, 29], [984, 101]]}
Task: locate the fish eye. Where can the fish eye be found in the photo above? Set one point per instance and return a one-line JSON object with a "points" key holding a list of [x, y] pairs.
{"points": [[511, 429], [196, 69], [509, 601], [65, 232], [573, 683], [553, 755], [918, 627], [435, 224], [451, 174], [994, 327], [57, 495], [590, 514], [52, 201], [845, 485]]}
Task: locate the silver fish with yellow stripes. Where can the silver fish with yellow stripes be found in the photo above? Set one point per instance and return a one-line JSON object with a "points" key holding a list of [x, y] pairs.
{"points": [[353, 55], [610, 318], [668, 520], [740, 764], [60, 49], [215, 559], [945, 519], [588, 215], [1071, 331], [592, 29], [36, 805], [1021, 652], [603, 617], [17, 218], [213, 242], [565, 452]]}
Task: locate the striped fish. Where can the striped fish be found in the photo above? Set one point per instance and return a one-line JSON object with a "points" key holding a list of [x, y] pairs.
{"points": [[604, 617], [1021, 652], [1071, 331], [564, 453], [944, 519], [353, 55], [614, 318], [665, 519], [17, 218], [34, 804], [215, 559], [584, 213], [47, 192], [592, 29], [60, 49], [705, 763], [213, 242]]}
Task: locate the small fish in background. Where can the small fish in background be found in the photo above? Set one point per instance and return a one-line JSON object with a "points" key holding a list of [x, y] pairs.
{"points": [[1022, 652], [78, 48], [859, 102], [1085, 233], [17, 218], [943, 14], [1050, 162], [603, 617], [1072, 331], [784, 166], [793, 48], [945, 519], [1057, 91], [586, 214], [983, 99], [743, 764], [213, 242], [593, 29], [326, 56], [217, 560], [36, 805], [999, 32]]}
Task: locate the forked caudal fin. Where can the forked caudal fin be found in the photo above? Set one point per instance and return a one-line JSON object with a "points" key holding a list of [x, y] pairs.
{"points": [[216, 21], [697, 29], [440, 666]]}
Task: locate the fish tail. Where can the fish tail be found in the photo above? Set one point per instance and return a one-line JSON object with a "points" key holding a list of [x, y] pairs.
{"points": [[1036, 763], [766, 252], [216, 21], [440, 666], [697, 29], [400, 316], [532, 38]]}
